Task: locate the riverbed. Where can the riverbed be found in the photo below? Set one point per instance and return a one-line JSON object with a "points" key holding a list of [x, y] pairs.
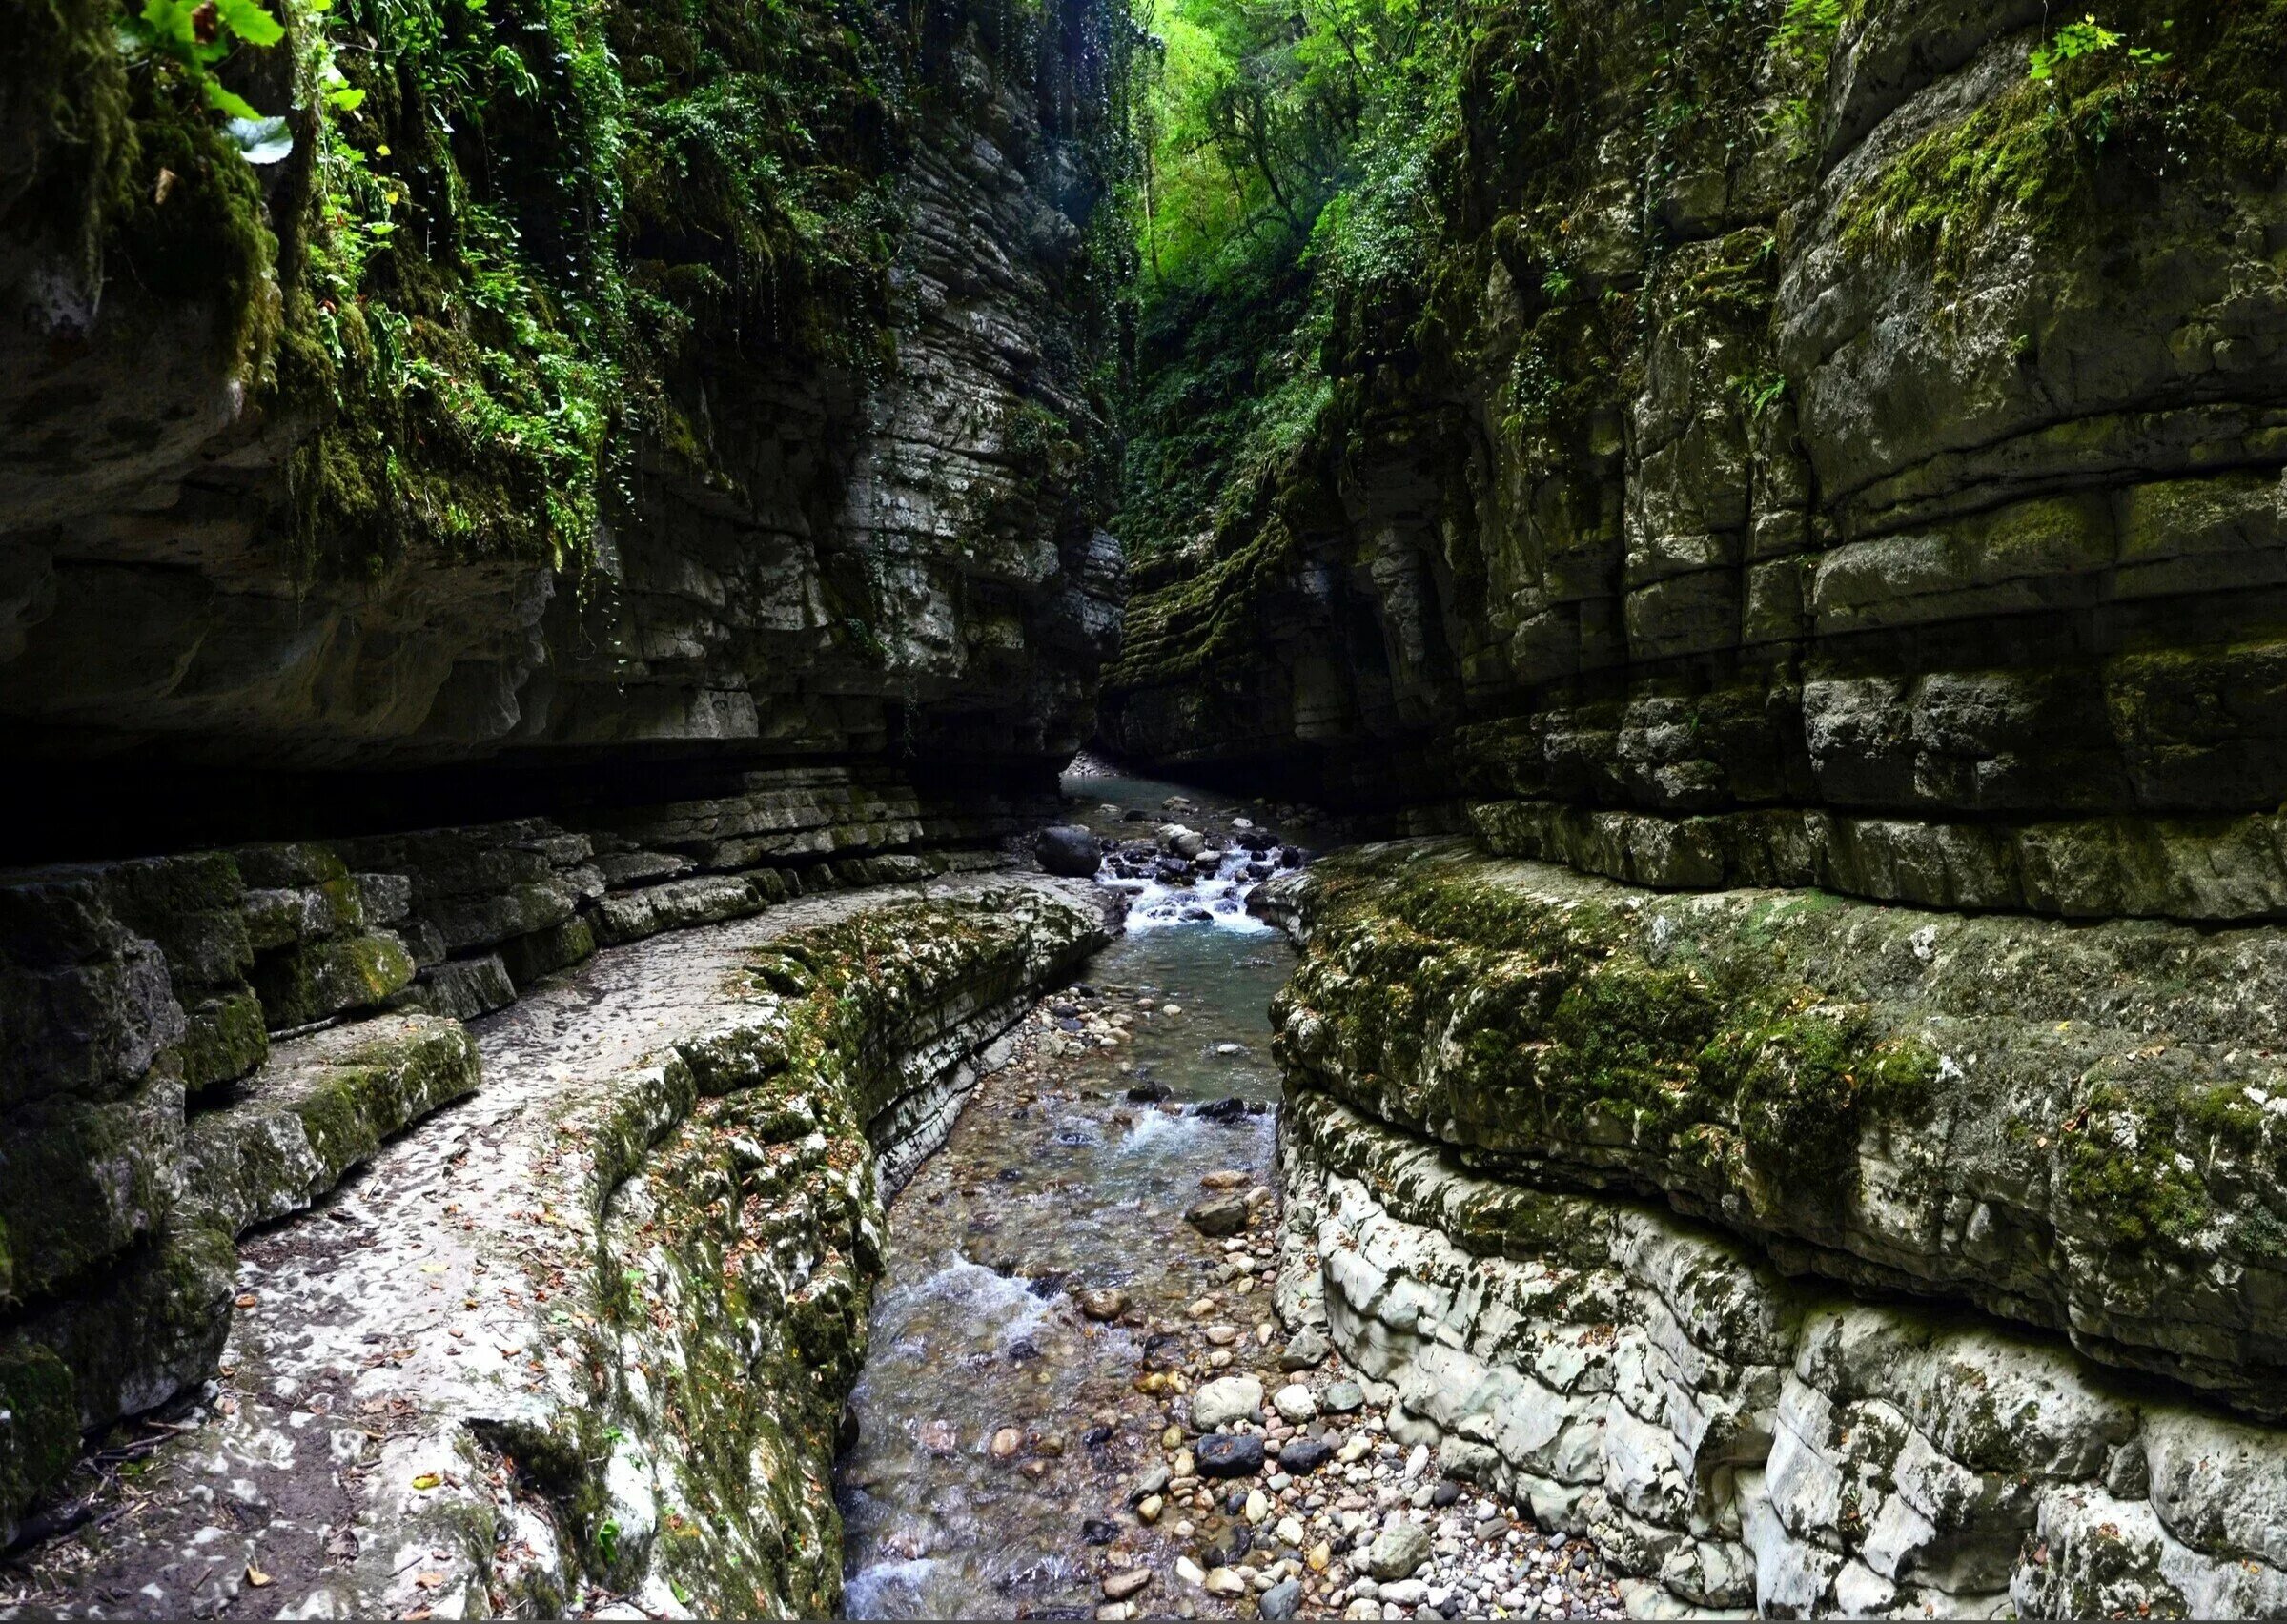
{"points": [[1029, 1438], [1000, 1426]]}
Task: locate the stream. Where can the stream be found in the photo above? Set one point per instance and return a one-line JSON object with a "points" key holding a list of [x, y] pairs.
{"points": [[1040, 1261]]}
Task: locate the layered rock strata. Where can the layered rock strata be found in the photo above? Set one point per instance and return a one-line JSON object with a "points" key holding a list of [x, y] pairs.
{"points": [[1805, 446], [423, 435], [1580, 1169], [594, 1326], [195, 1044]]}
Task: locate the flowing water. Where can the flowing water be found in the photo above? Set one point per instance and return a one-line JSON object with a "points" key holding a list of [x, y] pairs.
{"points": [[1000, 1427]]}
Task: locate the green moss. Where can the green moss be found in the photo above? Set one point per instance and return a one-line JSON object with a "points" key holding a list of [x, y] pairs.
{"points": [[1536, 1026], [39, 1426], [226, 1040], [2058, 153], [313, 979]]}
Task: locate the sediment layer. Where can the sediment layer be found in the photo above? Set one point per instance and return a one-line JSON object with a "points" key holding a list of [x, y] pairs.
{"points": [[1582, 1166]]}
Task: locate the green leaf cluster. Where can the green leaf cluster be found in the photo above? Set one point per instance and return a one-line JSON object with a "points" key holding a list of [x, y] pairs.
{"points": [[196, 35]]}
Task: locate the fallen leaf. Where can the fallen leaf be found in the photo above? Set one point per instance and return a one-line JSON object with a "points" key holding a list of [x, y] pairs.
{"points": [[255, 1577], [246, 1299], [429, 1580], [158, 192], [427, 1480]]}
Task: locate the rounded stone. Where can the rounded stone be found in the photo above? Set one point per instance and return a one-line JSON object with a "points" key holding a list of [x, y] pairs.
{"points": [[1067, 849], [1224, 1400], [1396, 1550], [1229, 1455], [1294, 1404]]}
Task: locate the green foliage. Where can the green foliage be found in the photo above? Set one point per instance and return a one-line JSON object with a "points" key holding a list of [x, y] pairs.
{"points": [[1289, 174], [194, 36], [2086, 37], [1759, 391], [1810, 23], [2103, 119]]}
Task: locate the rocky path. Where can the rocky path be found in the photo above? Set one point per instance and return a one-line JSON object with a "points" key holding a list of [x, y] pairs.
{"points": [[333, 1468]]}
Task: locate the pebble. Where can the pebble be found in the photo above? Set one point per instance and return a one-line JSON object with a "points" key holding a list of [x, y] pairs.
{"points": [[1107, 1303], [1229, 1455], [1005, 1443], [1121, 1585], [1342, 1397], [1294, 1404]]}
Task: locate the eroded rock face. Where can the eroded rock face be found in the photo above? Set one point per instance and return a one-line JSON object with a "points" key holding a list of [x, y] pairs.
{"points": [[194, 1045], [2069, 1127], [1737, 1439], [1568, 1161], [653, 1223], [857, 536], [1808, 434]]}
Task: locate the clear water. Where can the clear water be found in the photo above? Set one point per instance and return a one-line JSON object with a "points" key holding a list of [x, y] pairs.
{"points": [[1054, 1182]]}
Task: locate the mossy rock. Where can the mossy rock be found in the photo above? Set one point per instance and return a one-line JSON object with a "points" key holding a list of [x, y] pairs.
{"points": [[82, 1182], [314, 980]]}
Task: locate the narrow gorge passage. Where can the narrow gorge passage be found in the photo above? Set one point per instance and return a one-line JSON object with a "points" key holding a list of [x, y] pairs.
{"points": [[1388, 810], [998, 1418], [1025, 1446]]}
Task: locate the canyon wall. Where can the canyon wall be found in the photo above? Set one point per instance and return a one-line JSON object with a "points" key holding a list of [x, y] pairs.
{"points": [[1796, 445], [1814, 1255], [483, 484], [647, 388]]}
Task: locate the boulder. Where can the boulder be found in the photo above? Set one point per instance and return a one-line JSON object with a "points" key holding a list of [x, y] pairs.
{"points": [[1070, 851]]}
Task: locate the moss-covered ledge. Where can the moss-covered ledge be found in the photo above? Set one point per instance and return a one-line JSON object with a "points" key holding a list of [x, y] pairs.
{"points": [[727, 1195], [2212, 870], [2072, 1127]]}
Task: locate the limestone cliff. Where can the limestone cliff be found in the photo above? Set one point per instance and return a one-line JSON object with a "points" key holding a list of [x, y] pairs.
{"points": [[1800, 445], [550, 384], [1812, 1255]]}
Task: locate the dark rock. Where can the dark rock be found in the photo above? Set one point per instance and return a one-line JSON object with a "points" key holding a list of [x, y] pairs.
{"points": [[1445, 1493], [1224, 1111], [1163, 1351], [1303, 1456], [1068, 850], [1150, 1091], [1218, 1215], [1305, 1351], [1098, 1532], [1228, 1454]]}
